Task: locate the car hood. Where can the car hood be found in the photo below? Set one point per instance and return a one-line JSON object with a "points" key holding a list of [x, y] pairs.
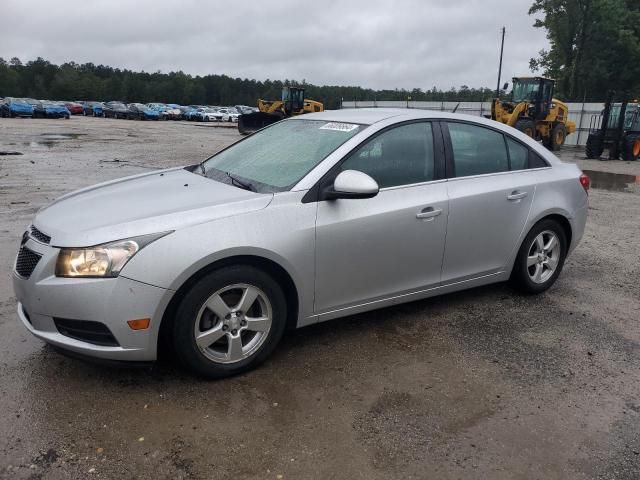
{"points": [[152, 202]]}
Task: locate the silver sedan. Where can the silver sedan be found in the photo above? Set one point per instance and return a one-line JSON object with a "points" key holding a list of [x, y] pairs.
{"points": [[313, 218]]}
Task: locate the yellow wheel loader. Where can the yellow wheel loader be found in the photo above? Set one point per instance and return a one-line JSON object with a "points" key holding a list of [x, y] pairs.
{"points": [[535, 112], [271, 111]]}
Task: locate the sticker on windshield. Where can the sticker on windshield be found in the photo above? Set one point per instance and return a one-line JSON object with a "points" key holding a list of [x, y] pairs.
{"points": [[340, 127]]}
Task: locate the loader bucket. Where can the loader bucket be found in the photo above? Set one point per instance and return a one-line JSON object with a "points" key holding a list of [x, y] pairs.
{"points": [[250, 122]]}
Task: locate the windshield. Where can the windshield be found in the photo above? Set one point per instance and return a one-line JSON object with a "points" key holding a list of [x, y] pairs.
{"points": [[525, 90], [276, 158]]}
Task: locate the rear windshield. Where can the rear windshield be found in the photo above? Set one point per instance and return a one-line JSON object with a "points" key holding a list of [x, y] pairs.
{"points": [[276, 158]]}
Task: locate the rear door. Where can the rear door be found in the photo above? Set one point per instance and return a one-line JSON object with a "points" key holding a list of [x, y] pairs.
{"points": [[490, 195]]}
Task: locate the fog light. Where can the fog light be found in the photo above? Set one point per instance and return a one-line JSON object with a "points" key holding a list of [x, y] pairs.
{"points": [[139, 324]]}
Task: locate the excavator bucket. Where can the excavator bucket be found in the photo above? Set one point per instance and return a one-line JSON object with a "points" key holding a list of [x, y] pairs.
{"points": [[250, 122]]}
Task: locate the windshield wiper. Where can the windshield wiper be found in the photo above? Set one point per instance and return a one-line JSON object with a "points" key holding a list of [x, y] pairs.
{"points": [[240, 183]]}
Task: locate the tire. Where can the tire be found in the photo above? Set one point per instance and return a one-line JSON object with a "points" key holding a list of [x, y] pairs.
{"points": [[631, 147], [594, 147], [538, 276], [218, 360], [528, 127], [557, 137]]}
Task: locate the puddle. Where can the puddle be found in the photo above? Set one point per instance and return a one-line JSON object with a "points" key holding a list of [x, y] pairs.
{"points": [[50, 139], [617, 182]]}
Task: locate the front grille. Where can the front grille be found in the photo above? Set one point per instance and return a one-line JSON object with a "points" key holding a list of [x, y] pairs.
{"points": [[39, 236], [26, 262], [87, 331]]}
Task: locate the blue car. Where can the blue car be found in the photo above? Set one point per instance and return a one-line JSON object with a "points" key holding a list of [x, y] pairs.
{"points": [[44, 109], [92, 109], [138, 111], [15, 107]]}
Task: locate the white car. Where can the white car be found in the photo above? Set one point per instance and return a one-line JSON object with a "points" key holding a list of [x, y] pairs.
{"points": [[229, 114], [208, 115]]}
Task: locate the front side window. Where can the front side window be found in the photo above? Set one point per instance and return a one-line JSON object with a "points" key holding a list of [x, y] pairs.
{"points": [[401, 156], [477, 150], [278, 157]]}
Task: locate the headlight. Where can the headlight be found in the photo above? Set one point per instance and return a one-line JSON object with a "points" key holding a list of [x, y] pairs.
{"points": [[102, 260]]}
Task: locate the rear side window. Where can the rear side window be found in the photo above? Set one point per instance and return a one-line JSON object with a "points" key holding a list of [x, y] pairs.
{"points": [[518, 154], [536, 161], [477, 150], [403, 155]]}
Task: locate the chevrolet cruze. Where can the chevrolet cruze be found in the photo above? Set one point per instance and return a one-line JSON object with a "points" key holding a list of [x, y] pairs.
{"points": [[310, 219]]}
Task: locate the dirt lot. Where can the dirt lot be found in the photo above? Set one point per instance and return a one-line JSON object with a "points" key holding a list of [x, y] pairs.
{"points": [[481, 384]]}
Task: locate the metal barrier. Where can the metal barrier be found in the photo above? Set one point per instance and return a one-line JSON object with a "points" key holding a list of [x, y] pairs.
{"points": [[583, 114]]}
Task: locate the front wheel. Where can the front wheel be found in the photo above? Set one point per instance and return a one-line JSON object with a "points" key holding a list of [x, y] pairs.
{"points": [[229, 322], [526, 126], [540, 258]]}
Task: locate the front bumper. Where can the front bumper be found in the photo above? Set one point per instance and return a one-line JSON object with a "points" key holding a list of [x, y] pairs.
{"points": [[43, 298]]}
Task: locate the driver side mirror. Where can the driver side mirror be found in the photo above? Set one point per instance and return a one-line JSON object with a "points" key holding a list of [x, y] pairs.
{"points": [[505, 86], [352, 184]]}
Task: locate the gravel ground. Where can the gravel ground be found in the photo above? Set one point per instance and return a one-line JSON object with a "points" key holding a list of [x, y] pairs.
{"points": [[480, 384]]}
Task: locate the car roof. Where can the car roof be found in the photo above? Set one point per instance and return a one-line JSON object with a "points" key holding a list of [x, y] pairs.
{"points": [[370, 116]]}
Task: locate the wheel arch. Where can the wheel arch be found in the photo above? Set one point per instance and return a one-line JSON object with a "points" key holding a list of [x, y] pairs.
{"points": [[277, 271]]}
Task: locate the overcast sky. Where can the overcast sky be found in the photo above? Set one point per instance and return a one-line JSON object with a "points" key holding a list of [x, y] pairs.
{"points": [[371, 43]]}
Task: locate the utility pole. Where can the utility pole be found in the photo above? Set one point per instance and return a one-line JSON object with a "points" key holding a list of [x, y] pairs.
{"points": [[500, 67]]}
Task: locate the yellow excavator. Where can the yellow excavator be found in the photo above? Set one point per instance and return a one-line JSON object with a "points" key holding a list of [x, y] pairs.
{"points": [[270, 111], [535, 112]]}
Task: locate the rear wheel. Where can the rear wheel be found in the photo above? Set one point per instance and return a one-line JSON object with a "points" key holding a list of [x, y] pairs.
{"points": [[557, 137], [528, 127], [540, 258], [631, 147], [229, 322], [594, 147]]}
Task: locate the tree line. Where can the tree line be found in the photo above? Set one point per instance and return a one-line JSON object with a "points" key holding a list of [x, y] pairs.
{"points": [[594, 47], [72, 81]]}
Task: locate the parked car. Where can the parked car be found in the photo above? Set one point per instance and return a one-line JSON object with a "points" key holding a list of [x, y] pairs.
{"points": [[15, 107], [312, 218], [139, 111], [207, 114], [48, 109], [189, 113], [115, 110], [171, 113], [74, 108], [94, 109], [229, 114], [159, 107]]}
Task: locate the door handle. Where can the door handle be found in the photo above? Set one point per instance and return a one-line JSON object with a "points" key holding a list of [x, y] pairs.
{"points": [[516, 195], [428, 213]]}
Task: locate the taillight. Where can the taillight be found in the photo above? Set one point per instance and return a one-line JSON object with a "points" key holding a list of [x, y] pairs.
{"points": [[585, 182]]}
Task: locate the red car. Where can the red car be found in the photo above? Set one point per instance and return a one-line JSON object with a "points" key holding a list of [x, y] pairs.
{"points": [[74, 108]]}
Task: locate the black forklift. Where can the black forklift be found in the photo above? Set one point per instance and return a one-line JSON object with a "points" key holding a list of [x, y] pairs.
{"points": [[617, 129]]}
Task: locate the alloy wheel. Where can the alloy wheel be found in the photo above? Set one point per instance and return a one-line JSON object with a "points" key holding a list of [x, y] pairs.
{"points": [[543, 256], [233, 323]]}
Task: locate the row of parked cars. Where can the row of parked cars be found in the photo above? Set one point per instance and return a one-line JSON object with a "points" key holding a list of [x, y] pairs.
{"points": [[28, 107]]}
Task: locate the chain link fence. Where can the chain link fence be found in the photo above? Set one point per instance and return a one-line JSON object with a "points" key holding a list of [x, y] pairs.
{"points": [[580, 113]]}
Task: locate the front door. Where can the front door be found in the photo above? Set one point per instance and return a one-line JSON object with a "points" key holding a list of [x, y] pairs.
{"points": [[391, 244]]}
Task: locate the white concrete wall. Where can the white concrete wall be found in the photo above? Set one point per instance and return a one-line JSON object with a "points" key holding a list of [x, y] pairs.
{"points": [[578, 112]]}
